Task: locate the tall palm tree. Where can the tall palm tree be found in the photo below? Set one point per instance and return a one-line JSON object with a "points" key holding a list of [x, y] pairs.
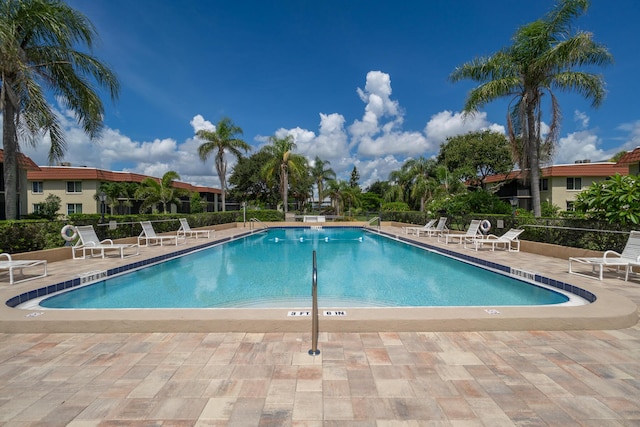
{"points": [[38, 51], [320, 174], [153, 192], [283, 163], [222, 139], [419, 172], [544, 56], [342, 194]]}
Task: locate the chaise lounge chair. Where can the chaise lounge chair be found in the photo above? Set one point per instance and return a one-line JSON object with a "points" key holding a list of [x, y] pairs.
{"points": [[414, 230], [88, 242], [629, 258], [10, 264], [509, 241], [439, 230], [150, 237], [186, 231], [473, 232]]}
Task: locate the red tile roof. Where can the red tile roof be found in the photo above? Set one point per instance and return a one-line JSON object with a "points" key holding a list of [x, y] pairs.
{"points": [[51, 173], [578, 170], [630, 157], [24, 161]]}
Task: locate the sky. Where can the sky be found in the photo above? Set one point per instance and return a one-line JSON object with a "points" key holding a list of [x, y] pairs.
{"points": [[356, 83]]}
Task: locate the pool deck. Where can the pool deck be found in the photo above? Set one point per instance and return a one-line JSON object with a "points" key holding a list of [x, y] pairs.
{"points": [[503, 367]]}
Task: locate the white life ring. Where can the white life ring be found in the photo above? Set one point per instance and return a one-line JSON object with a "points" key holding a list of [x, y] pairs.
{"points": [[69, 233], [485, 226]]}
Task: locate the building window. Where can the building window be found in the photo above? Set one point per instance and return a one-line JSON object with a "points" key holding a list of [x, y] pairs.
{"points": [[574, 183], [37, 208], [74, 186], [544, 184], [571, 206], [36, 187], [74, 208]]}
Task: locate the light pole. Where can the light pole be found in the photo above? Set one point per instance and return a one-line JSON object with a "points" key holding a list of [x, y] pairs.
{"points": [[103, 198]]}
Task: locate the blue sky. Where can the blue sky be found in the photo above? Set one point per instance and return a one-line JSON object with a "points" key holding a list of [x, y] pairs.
{"points": [[361, 83]]}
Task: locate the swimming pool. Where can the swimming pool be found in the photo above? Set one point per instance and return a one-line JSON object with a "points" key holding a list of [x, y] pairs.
{"points": [[356, 268]]}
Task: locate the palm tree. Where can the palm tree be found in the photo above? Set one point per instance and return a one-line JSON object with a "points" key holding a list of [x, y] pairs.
{"points": [[38, 42], [543, 56], [419, 171], [342, 194], [153, 191], [321, 174], [283, 163], [221, 140]]}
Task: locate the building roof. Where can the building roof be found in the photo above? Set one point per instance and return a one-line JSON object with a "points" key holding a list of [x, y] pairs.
{"points": [[600, 169], [630, 157], [24, 162], [66, 173]]}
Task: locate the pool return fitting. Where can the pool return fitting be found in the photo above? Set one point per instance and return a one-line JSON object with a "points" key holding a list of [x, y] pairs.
{"points": [[314, 312]]}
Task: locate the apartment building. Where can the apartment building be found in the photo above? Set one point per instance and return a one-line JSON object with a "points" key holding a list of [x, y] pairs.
{"points": [[559, 184], [78, 189]]}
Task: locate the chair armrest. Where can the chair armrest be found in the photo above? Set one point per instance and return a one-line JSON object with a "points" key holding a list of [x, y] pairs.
{"points": [[6, 255]]}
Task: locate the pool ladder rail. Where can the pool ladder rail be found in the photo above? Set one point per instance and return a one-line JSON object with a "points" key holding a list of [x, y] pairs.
{"points": [[256, 221], [372, 220]]}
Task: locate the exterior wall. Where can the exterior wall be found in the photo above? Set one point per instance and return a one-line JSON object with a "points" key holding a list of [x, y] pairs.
{"points": [[59, 188], [560, 195]]}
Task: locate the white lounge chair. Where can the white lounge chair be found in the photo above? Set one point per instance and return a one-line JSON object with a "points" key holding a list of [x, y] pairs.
{"points": [[413, 229], [186, 231], [629, 257], [509, 241], [150, 237], [439, 230], [88, 242], [472, 233], [10, 265]]}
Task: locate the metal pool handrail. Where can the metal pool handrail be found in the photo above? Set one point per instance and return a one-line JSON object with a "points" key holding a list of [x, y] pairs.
{"points": [[257, 221], [372, 220], [314, 312]]}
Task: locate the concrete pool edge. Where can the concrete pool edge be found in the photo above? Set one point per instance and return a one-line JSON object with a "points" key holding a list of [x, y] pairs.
{"points": [[609, 311]]}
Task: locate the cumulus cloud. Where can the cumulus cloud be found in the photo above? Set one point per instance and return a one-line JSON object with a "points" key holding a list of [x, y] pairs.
{"points": [[579, 146], [199, 123], [447, 123]]}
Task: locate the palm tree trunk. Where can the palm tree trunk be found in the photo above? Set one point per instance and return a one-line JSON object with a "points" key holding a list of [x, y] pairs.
{"points": [[222, 175], [534, 162], [10, 148], [285, 190]]}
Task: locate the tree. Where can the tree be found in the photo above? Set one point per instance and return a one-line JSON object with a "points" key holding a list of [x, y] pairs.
{"points": [[355, 177], [477, 155], [342, 195], [196, 204], [420, 172], [544, 56], [282, 164], [119, 194], [222, 139], [38, 42], [49, 209], [248, 182], [320, 174], [153, 191], [614, 200]]}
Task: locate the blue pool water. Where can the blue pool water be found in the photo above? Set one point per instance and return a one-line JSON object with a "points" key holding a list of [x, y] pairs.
{"points": [[355, 269]]}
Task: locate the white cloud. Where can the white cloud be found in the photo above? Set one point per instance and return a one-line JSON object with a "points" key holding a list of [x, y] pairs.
{"points": [[198, 123], [579, 146], [446, 124], [581, 118]]}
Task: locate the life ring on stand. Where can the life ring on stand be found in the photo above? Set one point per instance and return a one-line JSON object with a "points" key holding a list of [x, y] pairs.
{"points": [[69, 233], [485, 226]]}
